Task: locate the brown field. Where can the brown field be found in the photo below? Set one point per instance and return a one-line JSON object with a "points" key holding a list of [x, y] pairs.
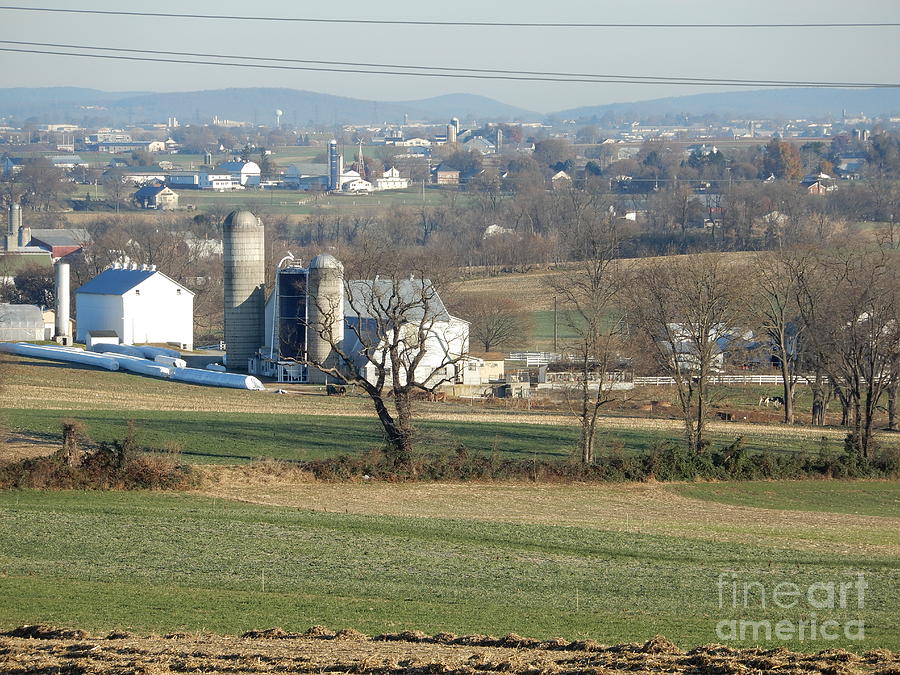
{"points": [[532, 288], [320, 650], [626, 507]]}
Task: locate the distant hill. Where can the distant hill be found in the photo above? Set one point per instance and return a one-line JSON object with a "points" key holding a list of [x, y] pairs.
{"points": [[57, 104], [785, 103]]}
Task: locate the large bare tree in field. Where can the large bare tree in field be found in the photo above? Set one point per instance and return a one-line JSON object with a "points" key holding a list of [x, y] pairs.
{"points": [[397, 339], [590, 293], [688, 308], [775, 311], [496, 321], [849, 299]]}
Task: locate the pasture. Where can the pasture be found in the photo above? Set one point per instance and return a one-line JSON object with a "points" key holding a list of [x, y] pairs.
{"points": [[225, 425], [613, 564]]}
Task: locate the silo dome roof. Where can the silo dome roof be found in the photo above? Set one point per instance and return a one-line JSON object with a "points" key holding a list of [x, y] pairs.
{"points": [[325, 261], [241, 219]]}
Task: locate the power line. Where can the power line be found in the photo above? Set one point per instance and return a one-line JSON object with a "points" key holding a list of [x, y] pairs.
{"points": [[655, 78], [611, 79], [491, 24]]}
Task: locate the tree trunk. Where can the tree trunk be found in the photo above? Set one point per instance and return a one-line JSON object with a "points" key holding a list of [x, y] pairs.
{"points": [[892, 406], [788, 388], [399, 435], [587, 430]]}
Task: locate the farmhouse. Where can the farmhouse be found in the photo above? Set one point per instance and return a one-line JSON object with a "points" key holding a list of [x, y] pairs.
{"points": [[391, 180], [140, 304], [156, 197]]}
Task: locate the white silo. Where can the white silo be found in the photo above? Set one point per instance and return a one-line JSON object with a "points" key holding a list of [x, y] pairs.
{"points": [[244, 253], [325, 313], [62, 333], [13, 224]]}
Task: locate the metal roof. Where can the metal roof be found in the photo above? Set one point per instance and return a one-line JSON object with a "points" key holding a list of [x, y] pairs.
{"points": [[19, 316], [415, 298], [61, 237], [115, 282]]}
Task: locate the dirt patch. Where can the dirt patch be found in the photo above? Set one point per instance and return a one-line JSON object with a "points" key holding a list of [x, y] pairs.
{"points": [[356, 653]]}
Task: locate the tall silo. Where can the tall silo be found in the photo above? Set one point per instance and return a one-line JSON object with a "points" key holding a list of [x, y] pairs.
{"points": [[62, 332], [13, 223], [245, 277], [335, 166], [325, 313]]}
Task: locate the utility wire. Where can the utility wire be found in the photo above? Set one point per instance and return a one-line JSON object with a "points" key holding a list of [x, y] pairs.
{"points": [[492, 24], [523, 77], [655, 78]]}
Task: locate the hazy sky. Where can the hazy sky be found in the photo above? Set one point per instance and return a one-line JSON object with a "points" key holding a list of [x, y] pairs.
{"points": [[868, 54]]}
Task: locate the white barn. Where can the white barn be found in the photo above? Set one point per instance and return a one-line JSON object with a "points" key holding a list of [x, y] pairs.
{"points": [[244, 173], [140, 305]]}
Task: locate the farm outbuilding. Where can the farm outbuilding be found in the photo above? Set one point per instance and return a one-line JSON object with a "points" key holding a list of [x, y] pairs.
{"points": [[21, 322], [141, 304]]}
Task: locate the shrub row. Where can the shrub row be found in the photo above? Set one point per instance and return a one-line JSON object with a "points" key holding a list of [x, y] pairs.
{"points": [[111, 466], [663, 462]]}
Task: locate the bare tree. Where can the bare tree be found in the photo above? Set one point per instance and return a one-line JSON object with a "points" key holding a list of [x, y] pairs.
{"points": [[590, 293], [849, 300], [495, 321], [687, 309], [774, 309], [398, 339]]}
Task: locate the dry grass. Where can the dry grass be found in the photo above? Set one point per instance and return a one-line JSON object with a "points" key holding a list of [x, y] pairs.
{"points": [[533, 288], [347, 651], [635, 507]]}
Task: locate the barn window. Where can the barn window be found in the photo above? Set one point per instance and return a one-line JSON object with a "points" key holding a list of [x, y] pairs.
{"points": [[177, 291], [137, 291]]}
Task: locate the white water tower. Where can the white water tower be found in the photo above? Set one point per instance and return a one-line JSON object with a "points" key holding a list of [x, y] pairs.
{"points": [[278, 114]]}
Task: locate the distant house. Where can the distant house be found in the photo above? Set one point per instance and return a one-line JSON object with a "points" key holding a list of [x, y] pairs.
{"points": [[246, 174], [117, 147], [357, 185], [818, 183], [560, 180], [446, 176], [481, 145], [391, 180], [156, 197], [414, 143], [141, 305]]}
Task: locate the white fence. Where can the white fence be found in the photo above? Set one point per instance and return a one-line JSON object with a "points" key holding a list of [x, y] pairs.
{"points": [[716, 379]]}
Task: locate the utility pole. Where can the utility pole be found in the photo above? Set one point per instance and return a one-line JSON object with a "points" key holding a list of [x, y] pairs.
{"points": [[555, 327]]}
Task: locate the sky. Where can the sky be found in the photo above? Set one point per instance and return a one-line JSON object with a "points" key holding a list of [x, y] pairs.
{"points": [[842, 54]]}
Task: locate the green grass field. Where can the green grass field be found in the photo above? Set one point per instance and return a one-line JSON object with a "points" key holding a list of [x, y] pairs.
{"points": [[227, 437], [157, 562], [864, 497]]}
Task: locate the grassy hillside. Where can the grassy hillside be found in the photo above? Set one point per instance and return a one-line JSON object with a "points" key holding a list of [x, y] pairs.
{"points": [[161, 562]]}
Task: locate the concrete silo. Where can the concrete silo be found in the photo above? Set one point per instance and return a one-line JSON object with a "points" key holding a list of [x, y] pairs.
{"points": [[245, 277], [325, 313], [62, 332]]}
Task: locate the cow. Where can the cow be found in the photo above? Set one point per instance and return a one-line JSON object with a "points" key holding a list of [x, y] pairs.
{"points": [[335, 390], [777, 401]]}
